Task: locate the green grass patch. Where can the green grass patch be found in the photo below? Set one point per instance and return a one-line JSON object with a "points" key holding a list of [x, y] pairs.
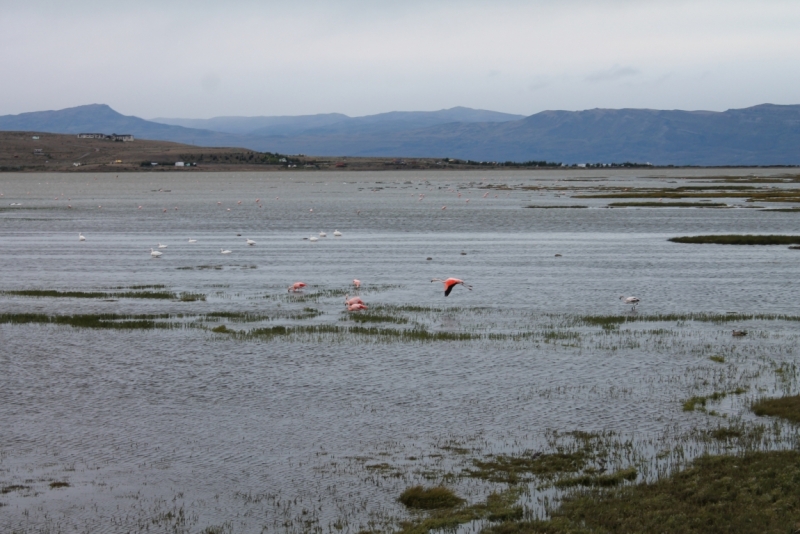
{"points": [[785, 407], [737, 239], [752, 494], [718, 359], [421, 498]]}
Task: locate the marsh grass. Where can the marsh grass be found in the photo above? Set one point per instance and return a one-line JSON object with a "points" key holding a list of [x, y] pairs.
{"points": [[718, 359], [376, 318], [737, 239], [100, 320], [699, 402], [57, 484], [499, 506], [715, 318], [604, 481], [785, 407], [421, 498], [756, 493], [750, 193], [547, 207], [52, 293], [512, 469], [668, 205]]}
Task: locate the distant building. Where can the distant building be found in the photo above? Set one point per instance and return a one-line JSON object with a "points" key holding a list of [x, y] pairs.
{"points": [[35, 137], [179, 164], [112, 137]]}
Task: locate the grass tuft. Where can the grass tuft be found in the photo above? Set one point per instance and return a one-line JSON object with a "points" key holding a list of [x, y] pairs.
{"points": [[739, 239], [422, 498], [785, 407]]}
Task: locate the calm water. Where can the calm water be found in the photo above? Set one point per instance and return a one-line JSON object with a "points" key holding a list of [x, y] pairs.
{"points": [[281, 434]]}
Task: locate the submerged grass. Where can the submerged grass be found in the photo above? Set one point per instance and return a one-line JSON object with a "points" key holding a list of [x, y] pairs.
{"points": [[100, 320], [52, 293], [699, 402], [737, 239], [785, 407], [603, 481], [716, 318], [499, 506], [756, 493], [513, 469]]}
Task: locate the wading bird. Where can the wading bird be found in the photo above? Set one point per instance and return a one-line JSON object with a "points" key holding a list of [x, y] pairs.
{"points": [[356, 283], [162, 246], [297, 286], [450, 283], [80, 237], [356, 306], [251, 242], [337, 233], [350, 301], [192, 240], [323, 234], [155, 253], [223, 251], [633, 301]]}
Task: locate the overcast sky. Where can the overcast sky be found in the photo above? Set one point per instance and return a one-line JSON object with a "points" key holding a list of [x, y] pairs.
{"points": [[199, 59]]}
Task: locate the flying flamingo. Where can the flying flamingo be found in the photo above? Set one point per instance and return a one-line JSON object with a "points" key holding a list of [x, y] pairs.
{"points": [[357, 283], [356, 306], [297, 286], [633, 301], [450, 283]]}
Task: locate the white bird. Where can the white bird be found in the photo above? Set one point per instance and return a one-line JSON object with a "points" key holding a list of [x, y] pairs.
{"points": [[323, 234], [162, 246], [80, 237], [633, 301], [313, 239], [155, 253], [223, 251], [337, 233], [251, 242], [192, 240]]}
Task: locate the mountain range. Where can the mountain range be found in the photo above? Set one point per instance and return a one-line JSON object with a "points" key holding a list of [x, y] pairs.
{"points": [[766, 134]]}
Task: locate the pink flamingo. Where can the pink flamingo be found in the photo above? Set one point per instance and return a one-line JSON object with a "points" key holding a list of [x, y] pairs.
{"points": [[356, 306], [450, 283], [357, 283], [297, 286], [350, 301]]}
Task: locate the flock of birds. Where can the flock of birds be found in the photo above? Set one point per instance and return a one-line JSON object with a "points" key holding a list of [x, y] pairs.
{"points": [[356, 303]]}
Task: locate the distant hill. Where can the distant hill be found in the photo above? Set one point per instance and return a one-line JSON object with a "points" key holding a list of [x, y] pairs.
{"points": [[395, 121], [100, 118], [761, 135]]}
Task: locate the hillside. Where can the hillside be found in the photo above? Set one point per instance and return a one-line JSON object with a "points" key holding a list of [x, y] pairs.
{"points": [[761, 135]]}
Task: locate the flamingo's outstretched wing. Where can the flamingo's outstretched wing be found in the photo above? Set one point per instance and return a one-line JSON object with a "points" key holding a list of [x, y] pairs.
{"points": [[449, 289]]}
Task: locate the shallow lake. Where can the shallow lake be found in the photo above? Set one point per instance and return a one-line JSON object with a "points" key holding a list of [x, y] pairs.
{"points": [[318, 427]]}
